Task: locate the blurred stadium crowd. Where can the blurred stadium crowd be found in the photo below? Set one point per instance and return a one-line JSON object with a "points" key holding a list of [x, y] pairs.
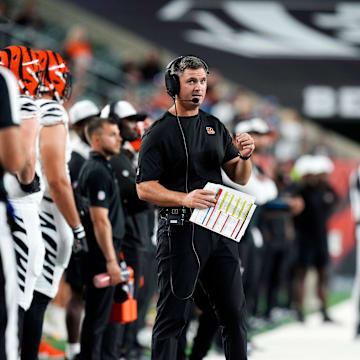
{"points": [[301, 179]]}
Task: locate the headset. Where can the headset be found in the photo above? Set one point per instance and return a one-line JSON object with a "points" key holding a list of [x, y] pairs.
{"points": [[172, 81]]}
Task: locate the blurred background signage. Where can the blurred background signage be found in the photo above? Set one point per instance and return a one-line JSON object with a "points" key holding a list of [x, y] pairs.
{"points": [[306, 53]]}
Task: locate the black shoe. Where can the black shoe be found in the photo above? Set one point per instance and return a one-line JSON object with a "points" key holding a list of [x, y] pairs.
{"points": [[326, 317], [300, 316], [357, 332]]}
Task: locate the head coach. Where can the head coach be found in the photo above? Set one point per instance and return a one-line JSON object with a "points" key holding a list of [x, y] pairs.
{"points": [[180, 153]]}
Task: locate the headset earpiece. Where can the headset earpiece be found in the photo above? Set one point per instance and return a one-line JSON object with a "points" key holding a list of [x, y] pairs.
{"points": [[172, 81]]}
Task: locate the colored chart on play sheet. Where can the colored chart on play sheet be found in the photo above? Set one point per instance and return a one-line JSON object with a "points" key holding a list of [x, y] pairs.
{"points": [[231, 215]]}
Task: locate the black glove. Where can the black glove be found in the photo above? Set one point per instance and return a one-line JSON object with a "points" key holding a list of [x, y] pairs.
{"points": [[80, 242]]}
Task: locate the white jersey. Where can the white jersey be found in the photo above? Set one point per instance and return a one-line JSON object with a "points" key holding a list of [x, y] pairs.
{"points": [[26, 231], [28, 110], [52, 113], [28, 107], [56, 233]]}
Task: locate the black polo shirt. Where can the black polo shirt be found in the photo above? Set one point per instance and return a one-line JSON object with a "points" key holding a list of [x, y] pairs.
{"points": [[98, 184], [124, 170], [9, 115], [75, 164], [162, 154], [136, 216]]}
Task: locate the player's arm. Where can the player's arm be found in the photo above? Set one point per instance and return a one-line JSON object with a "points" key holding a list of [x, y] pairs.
{"points": [[11, 147], [11, 150], [52, 150], [103, 234], [28, 132]]}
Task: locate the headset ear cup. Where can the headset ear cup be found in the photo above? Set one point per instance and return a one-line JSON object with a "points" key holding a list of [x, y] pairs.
{"points": [[172, 83]]}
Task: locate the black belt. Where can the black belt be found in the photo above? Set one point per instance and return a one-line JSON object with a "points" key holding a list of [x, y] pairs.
{"points": [[175, 215]]}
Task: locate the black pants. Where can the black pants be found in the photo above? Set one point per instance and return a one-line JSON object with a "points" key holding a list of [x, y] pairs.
{"points": [[273, 269], [251, 257], [73, 274], [146, 293], [21, 316], [208, 326], [32, 326], [98, 305], [185, 255]]}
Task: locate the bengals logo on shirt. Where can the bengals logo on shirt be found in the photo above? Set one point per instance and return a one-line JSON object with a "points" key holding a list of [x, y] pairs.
{"points": [[210, 130]]}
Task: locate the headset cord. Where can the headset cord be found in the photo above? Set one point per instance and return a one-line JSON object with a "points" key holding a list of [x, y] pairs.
{"points": [[186, 149], [192, 224]]}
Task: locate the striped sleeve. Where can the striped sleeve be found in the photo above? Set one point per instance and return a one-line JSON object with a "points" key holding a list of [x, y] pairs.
{"points": [[9, 94], [28, 107], [52, 113]]}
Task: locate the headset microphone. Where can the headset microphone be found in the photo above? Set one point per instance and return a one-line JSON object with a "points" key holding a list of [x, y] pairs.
{"points": [[194, 100]]}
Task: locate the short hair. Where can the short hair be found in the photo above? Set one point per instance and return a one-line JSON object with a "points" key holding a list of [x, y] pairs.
{"points": [[95, 124], [188, 62]]}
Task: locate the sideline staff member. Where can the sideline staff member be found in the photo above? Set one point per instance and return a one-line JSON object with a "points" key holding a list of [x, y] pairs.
{"points": [[180, 153], [98, 185], [80, 115], [136, 215]]}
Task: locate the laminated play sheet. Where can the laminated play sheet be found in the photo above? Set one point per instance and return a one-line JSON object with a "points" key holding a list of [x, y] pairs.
{"points": [[231, 214]]}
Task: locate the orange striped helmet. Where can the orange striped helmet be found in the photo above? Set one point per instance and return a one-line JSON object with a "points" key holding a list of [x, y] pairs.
{"points": [[55, 75], [24, 63]]}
